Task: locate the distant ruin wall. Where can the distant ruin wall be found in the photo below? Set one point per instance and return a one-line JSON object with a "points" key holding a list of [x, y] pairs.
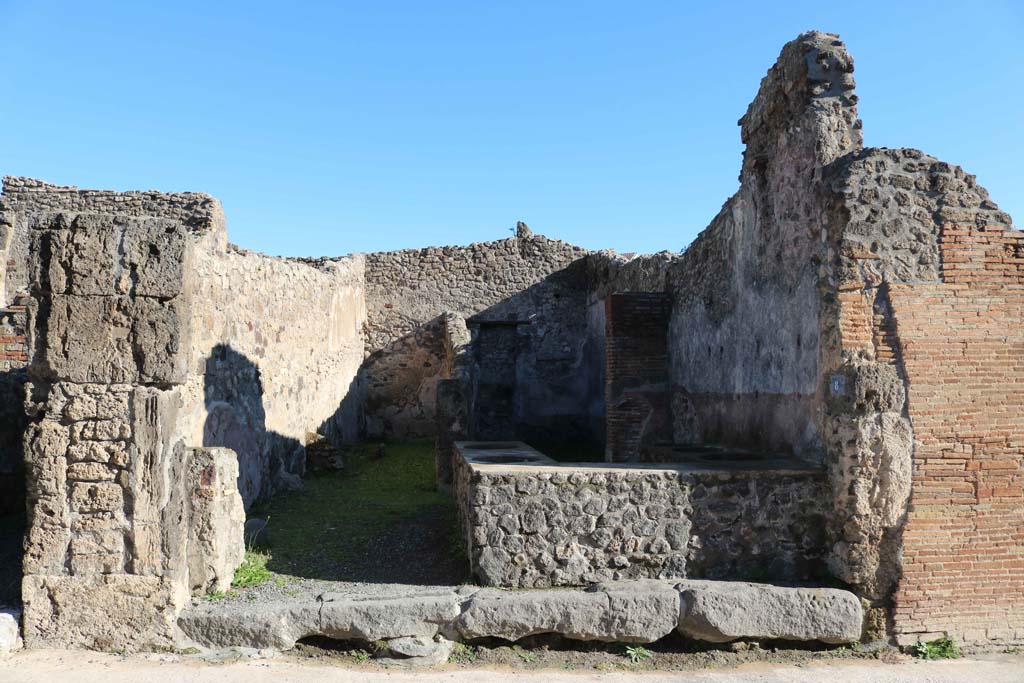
{"points": [[274, 352], [407, 289], [536, 377]]}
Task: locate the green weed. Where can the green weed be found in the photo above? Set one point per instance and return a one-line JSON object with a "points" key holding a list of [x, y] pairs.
{"points": [[253, 570], [940, 648], [525, 655], [638, 653]]}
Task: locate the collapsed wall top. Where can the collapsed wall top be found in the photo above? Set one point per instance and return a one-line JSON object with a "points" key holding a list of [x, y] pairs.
{"points": [[810, 88]]}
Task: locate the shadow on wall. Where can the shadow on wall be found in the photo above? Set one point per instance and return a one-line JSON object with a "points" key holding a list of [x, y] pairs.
{"points": [[400, 384], [537, 365], [236, 419], [12, 483]]}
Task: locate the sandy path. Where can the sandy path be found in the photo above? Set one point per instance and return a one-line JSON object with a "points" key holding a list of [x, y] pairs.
{"points": [[42, 666]]}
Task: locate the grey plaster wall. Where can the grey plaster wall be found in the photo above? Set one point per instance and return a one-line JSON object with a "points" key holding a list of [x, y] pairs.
{"points": [[745, 328]]}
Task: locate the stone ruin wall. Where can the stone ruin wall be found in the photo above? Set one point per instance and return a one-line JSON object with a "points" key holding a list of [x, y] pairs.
{"points": [[743, 335], [273, 352], [22, 203], [803, 318], [407, 291], [124, 521], [851, 235], [274, 355], [132, 505], [745, 329]]}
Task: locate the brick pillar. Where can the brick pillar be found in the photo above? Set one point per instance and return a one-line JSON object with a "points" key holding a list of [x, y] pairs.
{"points": [[637, 400]]}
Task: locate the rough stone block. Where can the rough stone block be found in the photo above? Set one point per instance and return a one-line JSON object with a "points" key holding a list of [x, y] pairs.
{"points": [[419, 614], [403, 613], [277, 626], [155, 254], [111, 612], [160, 330], [114, 339], [635, 612], [216, 543], [87, 255], [91, 471], [417, 651], [89, 497], [866, 388], [89, 339], [105, 255], [10, 630], [720, 611], [156, 475]]}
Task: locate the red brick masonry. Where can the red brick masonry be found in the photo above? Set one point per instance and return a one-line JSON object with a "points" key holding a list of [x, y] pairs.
{"points": [[962, 345]]}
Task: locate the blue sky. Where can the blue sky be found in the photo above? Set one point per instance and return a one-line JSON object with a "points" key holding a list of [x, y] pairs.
{"points": [[329, 128]]}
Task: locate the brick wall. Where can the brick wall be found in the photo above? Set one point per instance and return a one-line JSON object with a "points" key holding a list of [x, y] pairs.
{"points": [[636, 378], [13, 346], [962, 344], [982, 255]]}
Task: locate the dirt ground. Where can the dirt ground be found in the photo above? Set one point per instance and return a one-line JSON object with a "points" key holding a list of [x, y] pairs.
{"points": [[551, 652], [41, 666]]}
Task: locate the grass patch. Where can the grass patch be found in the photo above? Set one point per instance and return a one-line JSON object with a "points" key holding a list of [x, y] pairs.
{"points": [[940, 648], [335, 524], [253, 570], [462, 654]]}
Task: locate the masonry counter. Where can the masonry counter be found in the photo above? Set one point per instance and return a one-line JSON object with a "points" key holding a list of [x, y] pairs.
{"points": [[529, 521]]}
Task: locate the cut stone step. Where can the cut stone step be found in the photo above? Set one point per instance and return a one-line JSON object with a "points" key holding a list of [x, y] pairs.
{"points": [[620, 611]]}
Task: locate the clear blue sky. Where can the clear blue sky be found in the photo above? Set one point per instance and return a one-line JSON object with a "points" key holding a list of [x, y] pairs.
{"points": [[329, 128]]}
